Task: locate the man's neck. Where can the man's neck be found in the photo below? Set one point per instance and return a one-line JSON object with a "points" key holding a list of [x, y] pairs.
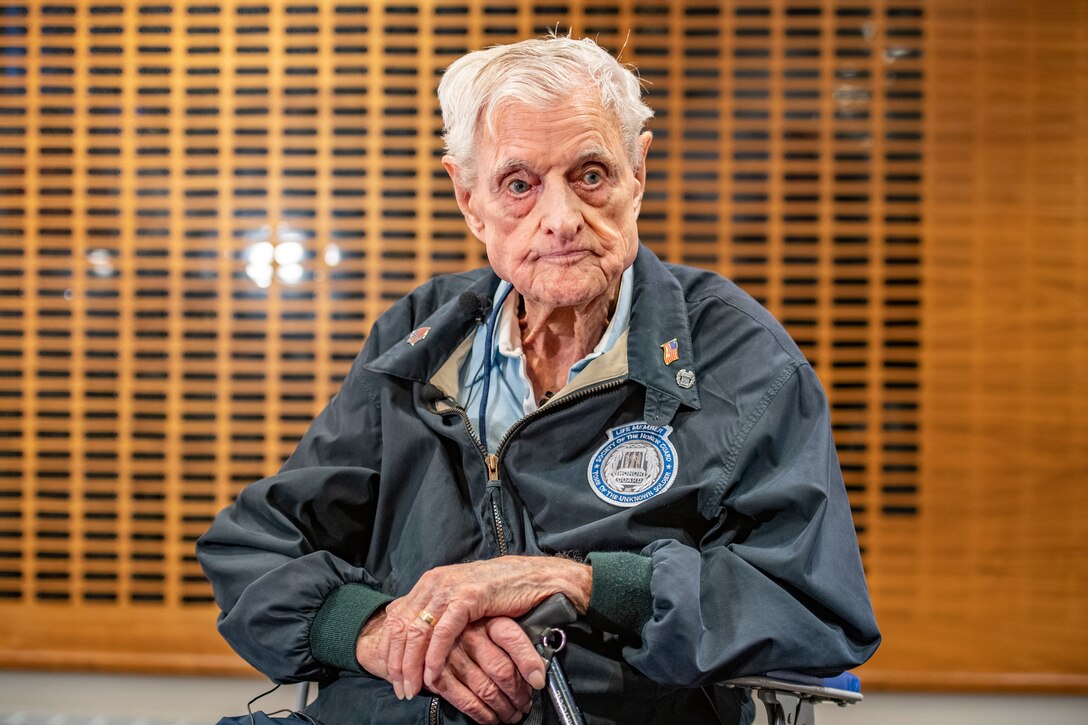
{"points": [[553, 339]]}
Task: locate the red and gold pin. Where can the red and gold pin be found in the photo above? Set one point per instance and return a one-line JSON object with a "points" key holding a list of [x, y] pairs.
{"points": [[671, 351], [418, 335]]}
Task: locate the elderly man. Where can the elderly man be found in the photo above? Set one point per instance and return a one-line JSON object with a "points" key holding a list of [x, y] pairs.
{"points": [[579, 418]]}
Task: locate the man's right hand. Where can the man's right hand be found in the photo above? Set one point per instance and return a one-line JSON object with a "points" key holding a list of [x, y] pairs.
{"points": [[484, 676]]}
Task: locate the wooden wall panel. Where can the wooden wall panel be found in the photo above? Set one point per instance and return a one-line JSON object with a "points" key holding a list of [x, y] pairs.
{"points": [[990, 587], [204, 205]]}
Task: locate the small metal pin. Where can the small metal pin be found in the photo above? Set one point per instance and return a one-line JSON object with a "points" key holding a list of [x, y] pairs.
{"points": [[418, 335], [670, 351]]}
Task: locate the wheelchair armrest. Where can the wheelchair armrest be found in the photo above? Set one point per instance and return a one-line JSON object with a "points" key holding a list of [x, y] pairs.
{"points": [[302, 696], [803, 687], [791, 697]]}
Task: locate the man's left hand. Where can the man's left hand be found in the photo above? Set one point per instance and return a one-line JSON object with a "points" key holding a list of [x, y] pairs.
{"points": [[457, 594]]}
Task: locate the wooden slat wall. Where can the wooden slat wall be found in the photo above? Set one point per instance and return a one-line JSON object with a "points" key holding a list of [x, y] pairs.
{"points": [[204, 205], [989, 587]]}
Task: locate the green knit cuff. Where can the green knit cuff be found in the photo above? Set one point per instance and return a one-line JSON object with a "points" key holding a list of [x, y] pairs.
{"points": [[339, 621], [620, 601]]}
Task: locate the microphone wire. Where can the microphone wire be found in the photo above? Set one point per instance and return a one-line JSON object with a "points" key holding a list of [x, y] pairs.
{"points": [[489, 340]]}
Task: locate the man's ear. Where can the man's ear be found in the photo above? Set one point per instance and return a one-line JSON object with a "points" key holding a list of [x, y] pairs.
{"points": [[464, 197], [644, 141]]}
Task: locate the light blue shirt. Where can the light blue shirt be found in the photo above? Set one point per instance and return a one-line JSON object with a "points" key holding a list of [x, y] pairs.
{"points": [[511, 395]]}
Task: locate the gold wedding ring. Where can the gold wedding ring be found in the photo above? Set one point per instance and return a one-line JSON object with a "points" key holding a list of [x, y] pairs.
{"points": [[427, 617]]}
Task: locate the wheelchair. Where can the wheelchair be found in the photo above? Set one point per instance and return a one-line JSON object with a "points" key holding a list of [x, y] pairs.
{"points": [[789, 698]]}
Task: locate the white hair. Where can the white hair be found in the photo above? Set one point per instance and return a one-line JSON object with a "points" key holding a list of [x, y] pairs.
{"points": [[538, 73]]}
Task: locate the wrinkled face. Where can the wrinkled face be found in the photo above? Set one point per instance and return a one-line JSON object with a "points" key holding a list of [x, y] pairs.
{"points": [[555, 201]]}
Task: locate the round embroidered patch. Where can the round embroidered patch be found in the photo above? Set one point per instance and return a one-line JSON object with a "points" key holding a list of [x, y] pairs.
{"points": [[637, 463]]}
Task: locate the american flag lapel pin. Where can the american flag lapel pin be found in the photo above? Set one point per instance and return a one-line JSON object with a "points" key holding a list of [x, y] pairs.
{"points": [[671, 351]]}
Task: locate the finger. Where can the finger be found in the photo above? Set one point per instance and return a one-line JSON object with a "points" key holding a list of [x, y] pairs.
{"points": [[446, 631], [417, 637], [506, 633], [397, 632], [457, 694], [496, 664], [403, 613], [482, 685]]}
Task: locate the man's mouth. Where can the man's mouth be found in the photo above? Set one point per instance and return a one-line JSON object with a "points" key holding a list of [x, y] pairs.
{"points": [[565, 255]]}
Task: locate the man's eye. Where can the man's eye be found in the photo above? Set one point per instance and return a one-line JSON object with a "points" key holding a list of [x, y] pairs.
{"points": [[592, 177], [518, 186]]}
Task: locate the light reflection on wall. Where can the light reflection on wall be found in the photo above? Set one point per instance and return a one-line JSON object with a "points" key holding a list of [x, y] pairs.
{"points": [[282, 259]]}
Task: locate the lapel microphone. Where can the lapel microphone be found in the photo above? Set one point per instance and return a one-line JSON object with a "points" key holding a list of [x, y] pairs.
{"points": [[476, 306]]}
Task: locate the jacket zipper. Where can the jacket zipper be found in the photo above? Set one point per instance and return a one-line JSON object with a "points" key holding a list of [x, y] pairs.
{"points": [[493, 484], [491, 460], [560, 403]]}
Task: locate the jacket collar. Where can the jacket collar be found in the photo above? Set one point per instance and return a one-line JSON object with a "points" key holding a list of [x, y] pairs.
{"points": [[446, 328], [658, 315]]}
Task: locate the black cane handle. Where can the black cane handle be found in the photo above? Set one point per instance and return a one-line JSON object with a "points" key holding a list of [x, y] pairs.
{"points": [[555, 611], [545, 620]]}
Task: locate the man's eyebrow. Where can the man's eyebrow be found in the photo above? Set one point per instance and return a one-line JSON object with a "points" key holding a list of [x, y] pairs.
{"points": [[596, 151], [507, 166]]}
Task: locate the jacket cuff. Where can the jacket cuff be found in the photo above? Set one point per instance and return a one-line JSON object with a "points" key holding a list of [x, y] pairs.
{"points": [[620, 600], [339, 621]]}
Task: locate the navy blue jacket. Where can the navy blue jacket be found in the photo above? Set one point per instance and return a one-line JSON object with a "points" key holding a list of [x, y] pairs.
{"points": [[734, 554]]}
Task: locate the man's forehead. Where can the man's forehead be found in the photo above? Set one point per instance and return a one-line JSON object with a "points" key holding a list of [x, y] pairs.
{"points": [[516, 112], [576, 130]]}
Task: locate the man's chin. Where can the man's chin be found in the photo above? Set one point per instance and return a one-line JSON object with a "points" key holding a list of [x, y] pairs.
{"points": [[567, 295]]}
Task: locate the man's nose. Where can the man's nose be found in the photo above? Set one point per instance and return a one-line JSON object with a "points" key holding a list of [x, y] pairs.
{"points": [[560, 211]]}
